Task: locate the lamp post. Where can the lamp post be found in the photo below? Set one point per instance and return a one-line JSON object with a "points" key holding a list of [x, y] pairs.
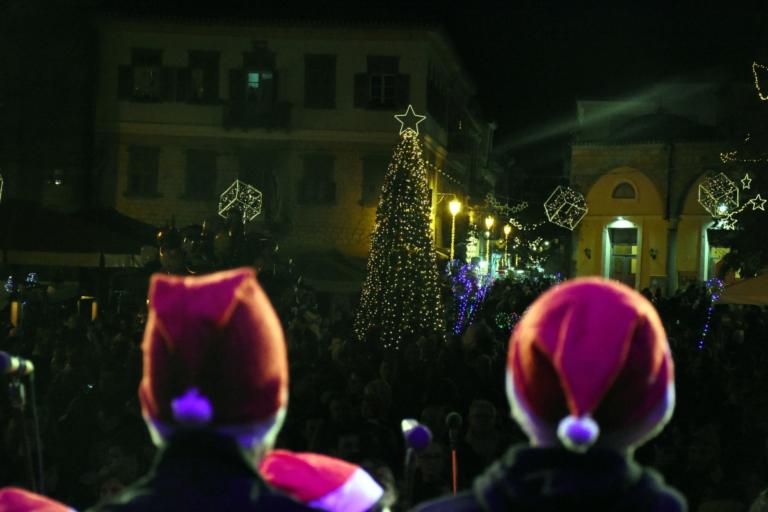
{"points": [[507, 231], [488, 225], [454, 207]]}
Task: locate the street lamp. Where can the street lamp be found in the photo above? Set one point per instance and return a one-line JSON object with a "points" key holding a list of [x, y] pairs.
{"points": [[454, 207], [507, 231], [488, 225]]}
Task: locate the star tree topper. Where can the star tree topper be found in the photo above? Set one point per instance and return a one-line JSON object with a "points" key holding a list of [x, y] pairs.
{"points": [[409, 120]]}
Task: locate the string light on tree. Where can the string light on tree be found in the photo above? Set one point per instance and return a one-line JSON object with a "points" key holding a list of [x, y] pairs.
{"points": [[243, 198], [565, 207], [401, 297]]}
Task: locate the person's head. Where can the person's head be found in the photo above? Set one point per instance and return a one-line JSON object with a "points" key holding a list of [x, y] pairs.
{"points": [[589, 364], [432, 462], [214, 358], [482, 417]]}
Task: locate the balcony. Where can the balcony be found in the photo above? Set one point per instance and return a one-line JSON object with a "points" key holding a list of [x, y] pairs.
{"points": [[245, 114]]}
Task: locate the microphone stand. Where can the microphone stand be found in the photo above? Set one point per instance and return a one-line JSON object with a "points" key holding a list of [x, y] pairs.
{"points": [[33, 464], [452, 435]]}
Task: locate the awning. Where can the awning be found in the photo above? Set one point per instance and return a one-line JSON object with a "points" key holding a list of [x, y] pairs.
{"points": [[752, 291]]}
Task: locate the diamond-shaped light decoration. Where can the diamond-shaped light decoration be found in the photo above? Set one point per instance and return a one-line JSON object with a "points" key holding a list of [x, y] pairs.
{"points": [[719, 195], [565, 207], [243, 197]]}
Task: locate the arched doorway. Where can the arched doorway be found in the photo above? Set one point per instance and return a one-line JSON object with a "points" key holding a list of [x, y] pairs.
{"points": [[621, 250]]}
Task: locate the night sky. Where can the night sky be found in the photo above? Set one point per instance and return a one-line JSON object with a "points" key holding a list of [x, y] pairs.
{"points": [[532, 60]]}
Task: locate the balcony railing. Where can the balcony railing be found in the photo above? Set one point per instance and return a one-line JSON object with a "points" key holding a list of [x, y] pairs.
{"points": [[247, 114]]}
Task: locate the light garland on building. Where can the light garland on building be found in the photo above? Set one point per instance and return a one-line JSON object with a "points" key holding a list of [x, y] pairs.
{"points": [[719, 195], [241, 197], [401, 297], [504, 210], [755, 73], [565, 207], [715, 289]]}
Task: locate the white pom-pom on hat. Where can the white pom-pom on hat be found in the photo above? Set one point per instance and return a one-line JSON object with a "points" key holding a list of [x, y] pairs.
{"points": [[578, 433]]}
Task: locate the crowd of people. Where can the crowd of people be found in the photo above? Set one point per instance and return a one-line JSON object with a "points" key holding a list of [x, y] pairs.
{"points": [[347, 397]]}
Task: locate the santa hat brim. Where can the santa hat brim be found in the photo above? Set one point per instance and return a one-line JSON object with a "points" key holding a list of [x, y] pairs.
{"points": [[359, 493], [263, 433], [542, 433]]}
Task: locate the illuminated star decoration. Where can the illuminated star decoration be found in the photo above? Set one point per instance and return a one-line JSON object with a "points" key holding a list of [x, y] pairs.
{"points": [[720, 197], [757, 70], [409, 120], [758, 203]]}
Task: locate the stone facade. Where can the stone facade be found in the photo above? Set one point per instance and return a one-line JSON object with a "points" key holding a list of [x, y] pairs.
{"points": [[326, 214]]}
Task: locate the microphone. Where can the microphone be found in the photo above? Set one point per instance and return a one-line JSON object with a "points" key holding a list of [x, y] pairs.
{"points": [[12, 365], [454, 422], [417, 436]]}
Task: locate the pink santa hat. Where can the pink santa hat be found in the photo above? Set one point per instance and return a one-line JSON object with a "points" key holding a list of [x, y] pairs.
{"points": [[13, 499], [321, 482], [588, 360], [214, 356]]}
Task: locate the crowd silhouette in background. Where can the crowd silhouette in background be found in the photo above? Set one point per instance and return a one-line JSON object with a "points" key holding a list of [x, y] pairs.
{"points": [[347, 397]]}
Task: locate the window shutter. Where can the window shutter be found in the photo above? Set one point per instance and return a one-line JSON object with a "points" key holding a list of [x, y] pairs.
{"points": [[402, 90], [236, 85], [183, 85], [211, 82], [272, 98], [124, 82], [167, 77], [362, 94]]}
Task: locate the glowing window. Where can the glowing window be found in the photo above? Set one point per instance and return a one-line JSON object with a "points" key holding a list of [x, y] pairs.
{"points": [[623, 190]]}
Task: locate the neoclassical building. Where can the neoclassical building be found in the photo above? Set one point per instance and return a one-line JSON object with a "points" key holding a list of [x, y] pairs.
{"points": [[640, 178]]}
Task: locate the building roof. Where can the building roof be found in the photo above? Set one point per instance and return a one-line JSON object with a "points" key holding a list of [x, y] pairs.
{"points": [[661, 127]]}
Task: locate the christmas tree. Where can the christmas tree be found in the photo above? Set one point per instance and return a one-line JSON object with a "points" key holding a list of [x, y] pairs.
{"points": [[401, 296]]}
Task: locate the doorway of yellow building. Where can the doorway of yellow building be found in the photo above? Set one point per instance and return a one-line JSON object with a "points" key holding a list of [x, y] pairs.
{"points": [[622, 255]]}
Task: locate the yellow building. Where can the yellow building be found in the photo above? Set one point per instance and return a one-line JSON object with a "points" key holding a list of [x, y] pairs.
{"points": [[640, 178], [303, 113]]}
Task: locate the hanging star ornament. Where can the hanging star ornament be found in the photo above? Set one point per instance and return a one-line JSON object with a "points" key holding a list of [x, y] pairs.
{"points": [[758, 203], [409, 120], [746, 182]]}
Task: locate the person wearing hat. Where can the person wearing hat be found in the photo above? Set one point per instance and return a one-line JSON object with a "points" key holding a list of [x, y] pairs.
{"points": [[321, 482], [213, 395], [589, 379], [13, 499]]}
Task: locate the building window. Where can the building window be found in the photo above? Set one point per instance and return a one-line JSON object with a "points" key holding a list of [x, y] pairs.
{"points": [[143, 171], [200, 82], [374, 169], [201, 174], [316, 185], [145, 79], [146, 64], [320, 81], [623, 190], [382, 86]]}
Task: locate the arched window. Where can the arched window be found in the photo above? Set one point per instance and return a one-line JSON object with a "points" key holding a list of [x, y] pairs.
{"points": [[623, 190]]}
